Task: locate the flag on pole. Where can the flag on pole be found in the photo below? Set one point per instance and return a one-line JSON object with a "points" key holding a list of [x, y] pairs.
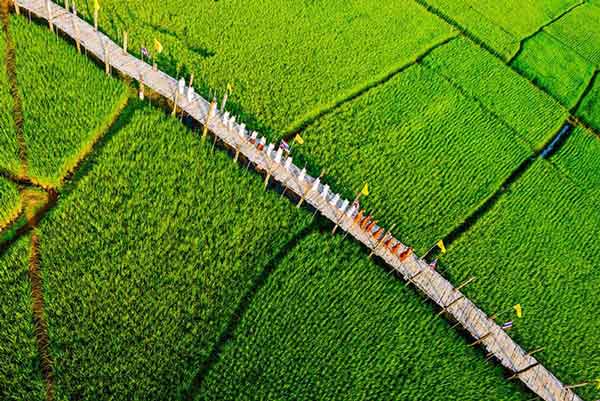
{"points": [[284, 146], [440, 244], [96, 5], [507, 325], [519, 310], [298, 139], [157, 46], [365, 189], [229, 87]]}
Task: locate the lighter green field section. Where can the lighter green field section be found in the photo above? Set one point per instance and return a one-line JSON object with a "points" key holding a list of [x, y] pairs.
{"points": [[580, 31], [500, 90], [502, 24], [539, 247], [20, 377], [432, 151], [579, 158], [287, 60], [9, 202], [145, 261], [67, 102], [331, 325], [554, 67], [589, 110]]}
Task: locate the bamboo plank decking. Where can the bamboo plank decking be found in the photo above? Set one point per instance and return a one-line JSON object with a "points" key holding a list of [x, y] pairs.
{"points": [[482, 328]]}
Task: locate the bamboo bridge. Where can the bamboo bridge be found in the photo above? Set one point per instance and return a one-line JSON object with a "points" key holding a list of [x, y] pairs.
{"points": [[271, 160]]}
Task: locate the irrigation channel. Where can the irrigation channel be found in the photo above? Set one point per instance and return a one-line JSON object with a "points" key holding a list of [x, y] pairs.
{"points": [[271, 161]]}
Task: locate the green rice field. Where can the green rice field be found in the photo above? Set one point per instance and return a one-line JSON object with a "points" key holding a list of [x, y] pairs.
{"points": [[170, 271]]}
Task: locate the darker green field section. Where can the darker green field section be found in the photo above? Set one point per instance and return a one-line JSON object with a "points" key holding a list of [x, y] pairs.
{"points": [[20, 375], [147, 258], [538, 246], [330, 324]]}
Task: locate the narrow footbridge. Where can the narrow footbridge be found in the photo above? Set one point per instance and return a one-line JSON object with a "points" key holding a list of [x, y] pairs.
{"points": [[269, 159]]}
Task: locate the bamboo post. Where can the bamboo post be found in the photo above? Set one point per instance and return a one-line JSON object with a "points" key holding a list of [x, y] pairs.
{"points": [[125, 42], [95, 19], [523, 371], [209, 115], [76, 29], [66, 5], [106, 60], [141, 89], [191, 83], [225, 96], [237, 147], [447, 307], [175, 103], [480, 340], [17, 8], [49, 9]]}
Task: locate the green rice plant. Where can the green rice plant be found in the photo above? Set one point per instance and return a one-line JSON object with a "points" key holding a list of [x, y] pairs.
{"points": [[554, 67], [502, 24], [431, 150], [67, 103], [538, 246], [500, 90], [20, 375], [10, 203], [146, 260], [287, 61], [329, 324]]}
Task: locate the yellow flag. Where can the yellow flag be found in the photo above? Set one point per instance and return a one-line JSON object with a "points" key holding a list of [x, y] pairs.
{"points": [[229, 87], [440, 244], [96, 5], [519, 310], [157, 46], [298, 139], [365, 189], [597, 383]]}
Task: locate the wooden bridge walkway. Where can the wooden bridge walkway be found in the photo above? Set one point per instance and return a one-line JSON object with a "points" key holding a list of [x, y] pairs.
{"points": [[485, 330]]}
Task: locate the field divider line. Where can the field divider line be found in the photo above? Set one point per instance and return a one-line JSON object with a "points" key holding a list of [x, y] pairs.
{"points": [[315, 115], [338, 210], [543, 26]]}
